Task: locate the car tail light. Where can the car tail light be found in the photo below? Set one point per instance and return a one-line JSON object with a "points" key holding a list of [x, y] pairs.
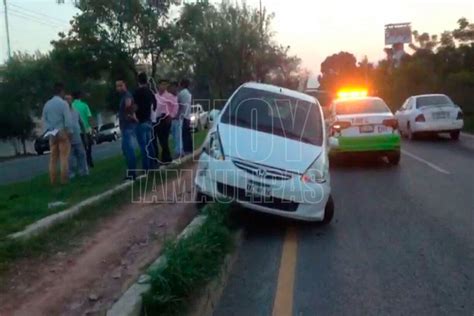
{"points": [[393, 123], [460, 116], [420, 118], [340, 125]]}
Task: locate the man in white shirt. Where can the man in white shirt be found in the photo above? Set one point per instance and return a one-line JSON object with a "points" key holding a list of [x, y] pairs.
{"points": [[185, 100]]}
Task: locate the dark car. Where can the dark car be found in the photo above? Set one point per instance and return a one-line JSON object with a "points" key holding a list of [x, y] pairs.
{"points": [[41, 144]]}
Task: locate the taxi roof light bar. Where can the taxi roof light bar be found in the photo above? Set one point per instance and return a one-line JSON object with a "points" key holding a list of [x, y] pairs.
{"points": [[352, 93]]}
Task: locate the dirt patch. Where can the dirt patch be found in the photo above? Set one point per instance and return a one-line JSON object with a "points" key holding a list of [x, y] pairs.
{"points": [[87, 279]]}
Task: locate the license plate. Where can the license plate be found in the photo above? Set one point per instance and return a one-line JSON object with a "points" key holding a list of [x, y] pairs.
{"points": [[258, 190], [440, 115], [366, 129]]}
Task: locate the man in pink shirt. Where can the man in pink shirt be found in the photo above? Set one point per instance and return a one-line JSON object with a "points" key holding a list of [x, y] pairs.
{"points": [[167, 108]]}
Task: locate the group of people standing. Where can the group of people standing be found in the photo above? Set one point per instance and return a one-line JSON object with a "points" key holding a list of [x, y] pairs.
{"points": [[67, 121], [147, 115], [150, 116]]}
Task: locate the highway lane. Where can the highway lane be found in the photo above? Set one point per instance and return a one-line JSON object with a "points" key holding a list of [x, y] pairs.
{"points": [[402, 243], [23, 169]]}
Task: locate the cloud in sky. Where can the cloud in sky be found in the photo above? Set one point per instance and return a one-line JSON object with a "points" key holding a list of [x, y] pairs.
{"points": [[314, 29]]}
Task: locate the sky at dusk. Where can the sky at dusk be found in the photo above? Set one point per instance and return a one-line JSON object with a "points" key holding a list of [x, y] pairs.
{"points": [[314, 29]]}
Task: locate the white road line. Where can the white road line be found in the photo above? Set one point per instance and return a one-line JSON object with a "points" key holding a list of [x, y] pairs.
{"points": [[429, 164]]}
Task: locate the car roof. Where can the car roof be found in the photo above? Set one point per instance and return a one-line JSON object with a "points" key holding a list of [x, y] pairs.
{"points": [[430, 95], [279, 90], [358, 98]]}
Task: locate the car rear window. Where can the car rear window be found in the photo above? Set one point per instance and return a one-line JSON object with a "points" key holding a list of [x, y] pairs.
{"points": [[107, 126], [436, 100], [275, 114], [361, 106]]}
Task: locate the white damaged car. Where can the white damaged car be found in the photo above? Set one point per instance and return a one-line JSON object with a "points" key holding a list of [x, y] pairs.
{"points": [[267, 151]]}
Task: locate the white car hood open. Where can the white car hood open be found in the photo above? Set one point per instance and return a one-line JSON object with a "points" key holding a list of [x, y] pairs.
{"points": [[267, 149]]}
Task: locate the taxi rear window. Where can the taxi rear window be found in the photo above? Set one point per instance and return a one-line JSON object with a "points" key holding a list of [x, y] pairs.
{"points": [[361, 106]]}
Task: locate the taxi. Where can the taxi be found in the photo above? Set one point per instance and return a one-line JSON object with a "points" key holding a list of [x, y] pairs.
{"points": [[359, 123]]}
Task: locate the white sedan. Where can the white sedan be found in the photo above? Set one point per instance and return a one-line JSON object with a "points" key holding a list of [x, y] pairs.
{"points": [[430, 113], [267, 151]]}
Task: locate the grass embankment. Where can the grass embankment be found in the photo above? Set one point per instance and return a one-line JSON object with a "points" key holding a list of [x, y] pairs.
{"points": [[191, 263], [24, 203]]}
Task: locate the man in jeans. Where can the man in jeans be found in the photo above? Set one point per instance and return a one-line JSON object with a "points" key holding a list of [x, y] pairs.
{"points": [[77, 157], [128, 124], [146, 102], [185, 99], [167, 108], [86, 117], [177, 124], [58, 126]]}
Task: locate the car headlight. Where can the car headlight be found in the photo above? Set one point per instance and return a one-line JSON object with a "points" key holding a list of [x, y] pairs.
{"points": [[318, 172], [192, 118], [214, 147]]}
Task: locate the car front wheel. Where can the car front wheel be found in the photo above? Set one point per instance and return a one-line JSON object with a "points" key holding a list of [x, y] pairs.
{"points": [[328, 211], [410, 134], [455, 135]]}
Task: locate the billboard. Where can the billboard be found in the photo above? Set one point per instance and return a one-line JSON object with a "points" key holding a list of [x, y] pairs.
{"points": [[399, 33]]}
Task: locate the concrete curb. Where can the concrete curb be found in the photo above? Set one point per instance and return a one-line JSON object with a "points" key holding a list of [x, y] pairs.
{"points": [[206, 303], [130, 303], [49, 221]]}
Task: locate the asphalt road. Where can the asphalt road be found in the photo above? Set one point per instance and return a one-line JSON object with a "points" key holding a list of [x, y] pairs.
{"points": [[23, 169], [401, 243]]}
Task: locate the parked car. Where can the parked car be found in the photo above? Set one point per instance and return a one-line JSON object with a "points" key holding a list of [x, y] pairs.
{"points": [[267, 151], [430, 113], [213, 115], [108, 133], [199, 118], [41, 144]]}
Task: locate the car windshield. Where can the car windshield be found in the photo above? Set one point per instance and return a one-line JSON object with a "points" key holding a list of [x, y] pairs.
{"points": [[275, 114], [435, 100], [107, 126], [361, 106], [194, 109]]}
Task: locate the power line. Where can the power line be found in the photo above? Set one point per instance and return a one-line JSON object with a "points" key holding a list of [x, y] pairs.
{"points": [[29, 18], [34, 18], [37, 13]]}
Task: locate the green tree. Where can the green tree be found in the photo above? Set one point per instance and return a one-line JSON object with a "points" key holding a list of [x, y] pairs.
{"points": [[26, 85]]}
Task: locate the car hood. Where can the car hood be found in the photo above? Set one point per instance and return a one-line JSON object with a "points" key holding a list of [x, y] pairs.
{"points": [[267, 149]]}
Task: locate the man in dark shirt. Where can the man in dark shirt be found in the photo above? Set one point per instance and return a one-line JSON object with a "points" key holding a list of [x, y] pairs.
{"points": [[128, 126], [146, 102]]}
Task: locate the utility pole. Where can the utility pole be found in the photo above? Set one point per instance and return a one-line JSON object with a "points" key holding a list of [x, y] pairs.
{"points": [[7, 29]]}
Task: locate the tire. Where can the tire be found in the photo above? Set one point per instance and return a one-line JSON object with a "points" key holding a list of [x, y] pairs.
{"points": [[39, 152], [328, 211], [410, 134], [455, 135], [394, 158]]}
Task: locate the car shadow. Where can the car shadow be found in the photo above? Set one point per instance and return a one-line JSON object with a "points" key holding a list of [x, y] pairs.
{"points": [[359, 161], [261, 224]]}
